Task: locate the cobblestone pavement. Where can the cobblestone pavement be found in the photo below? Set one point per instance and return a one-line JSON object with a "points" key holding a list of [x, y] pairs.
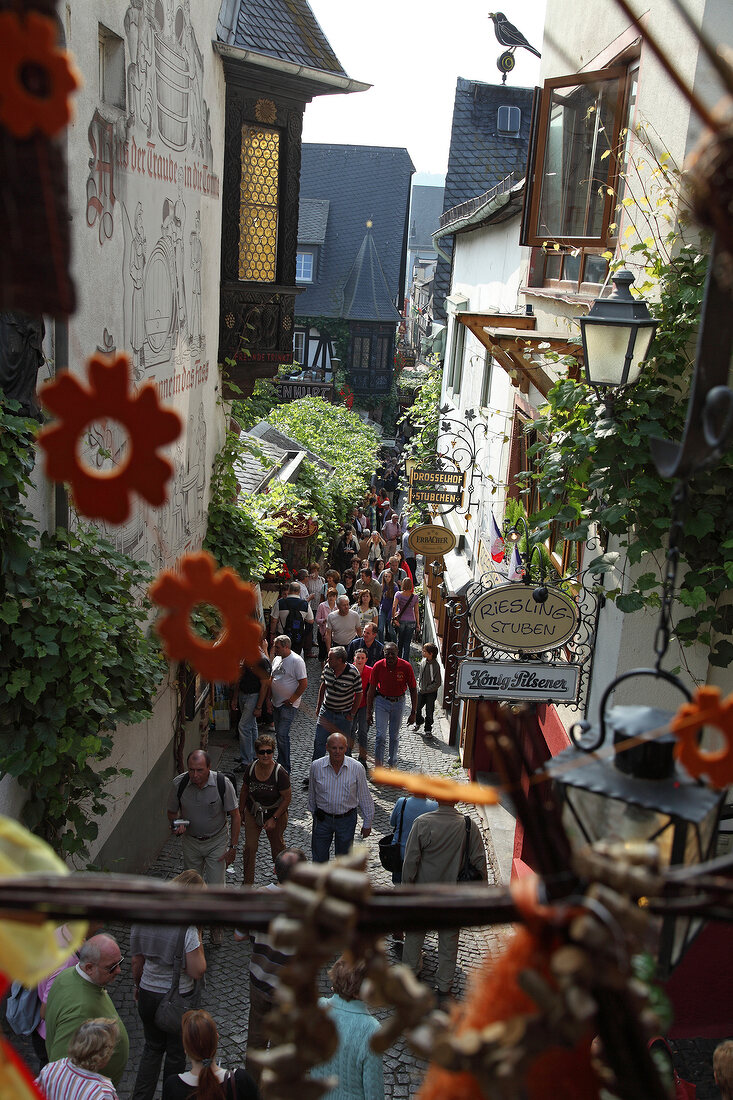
{"points": [[226, 995]]}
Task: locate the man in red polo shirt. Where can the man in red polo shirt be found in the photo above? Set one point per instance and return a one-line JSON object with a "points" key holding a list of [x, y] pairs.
{"points": [[386, 701]]}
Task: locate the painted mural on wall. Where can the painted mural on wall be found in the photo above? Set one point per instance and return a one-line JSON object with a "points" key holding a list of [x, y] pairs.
{"points": [[149, 173]]}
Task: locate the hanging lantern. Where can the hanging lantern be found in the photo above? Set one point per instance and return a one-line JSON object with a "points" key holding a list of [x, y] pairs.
{"points": [[620, 782]]}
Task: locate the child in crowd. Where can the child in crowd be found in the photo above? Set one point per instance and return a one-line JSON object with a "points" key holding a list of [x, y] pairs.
{"points": [[429, 679]]}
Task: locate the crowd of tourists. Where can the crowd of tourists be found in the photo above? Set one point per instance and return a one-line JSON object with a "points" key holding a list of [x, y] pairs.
{"points": [[355, 618]]}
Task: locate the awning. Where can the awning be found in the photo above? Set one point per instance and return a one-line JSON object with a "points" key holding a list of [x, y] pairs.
{"points": [[514, 342]]}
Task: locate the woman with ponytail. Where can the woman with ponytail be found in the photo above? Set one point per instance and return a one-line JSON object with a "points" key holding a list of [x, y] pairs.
{"points": [[206, 1080]]}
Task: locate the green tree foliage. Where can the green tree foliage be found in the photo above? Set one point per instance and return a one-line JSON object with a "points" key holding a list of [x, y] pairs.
{"points": [[241, 532], [76, 658], [341, 438], [423, 416]]}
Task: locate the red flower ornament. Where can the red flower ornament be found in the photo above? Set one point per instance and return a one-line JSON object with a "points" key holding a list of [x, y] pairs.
{"points": [[200, 582], [36, 77], [705, 709], [99, 495]]}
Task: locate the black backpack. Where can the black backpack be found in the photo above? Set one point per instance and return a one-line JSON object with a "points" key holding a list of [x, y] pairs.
{"points": [[220, 785], [294, 625]]}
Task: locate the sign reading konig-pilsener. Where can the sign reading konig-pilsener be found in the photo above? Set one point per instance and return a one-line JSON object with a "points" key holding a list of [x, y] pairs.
{"points": [[509, 617], [431, 540], [514, 680]]}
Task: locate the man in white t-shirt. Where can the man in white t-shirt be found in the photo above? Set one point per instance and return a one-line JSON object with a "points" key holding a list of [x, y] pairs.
{"points": [[343, 624], [289, 681]]}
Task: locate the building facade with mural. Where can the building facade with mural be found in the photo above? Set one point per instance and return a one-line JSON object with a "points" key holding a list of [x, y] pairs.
{"points": [[147, 157]]}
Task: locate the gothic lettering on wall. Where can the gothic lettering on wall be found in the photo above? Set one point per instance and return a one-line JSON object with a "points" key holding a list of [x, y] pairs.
{"points": [[149, 174]]}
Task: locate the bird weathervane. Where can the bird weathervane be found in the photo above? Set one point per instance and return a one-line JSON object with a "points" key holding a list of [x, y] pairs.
{"points": [[508, 35]]}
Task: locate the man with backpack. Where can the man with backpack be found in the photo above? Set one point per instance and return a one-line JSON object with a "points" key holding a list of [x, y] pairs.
{"points": [[289, 616], [203, 799]]}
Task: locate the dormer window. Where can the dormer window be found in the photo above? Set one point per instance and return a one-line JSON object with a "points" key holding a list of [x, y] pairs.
{"points": [[304, 267]]}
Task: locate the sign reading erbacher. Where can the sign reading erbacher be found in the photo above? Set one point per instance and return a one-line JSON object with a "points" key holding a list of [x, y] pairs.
{"points": [[508, 680], [508, 617], [431, 540]]}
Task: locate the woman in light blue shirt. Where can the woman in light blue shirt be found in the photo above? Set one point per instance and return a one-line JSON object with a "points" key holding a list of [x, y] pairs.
{"points": [[359, 1070]]}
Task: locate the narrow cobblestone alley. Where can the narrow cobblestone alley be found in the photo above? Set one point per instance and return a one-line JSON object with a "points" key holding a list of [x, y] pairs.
{"points": [[226, 995]]}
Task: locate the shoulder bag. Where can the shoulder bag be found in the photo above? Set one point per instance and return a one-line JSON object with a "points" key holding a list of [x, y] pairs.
{"points": [[402, 609], [169, 1013], [468, 871], [390, 850]]}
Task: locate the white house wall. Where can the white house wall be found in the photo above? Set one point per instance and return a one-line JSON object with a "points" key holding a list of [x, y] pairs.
{"points": [[145, 205], [486, 273], [587, 38]]}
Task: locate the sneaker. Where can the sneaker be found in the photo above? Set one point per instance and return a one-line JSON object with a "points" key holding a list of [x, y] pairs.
{"points": [[306, 783], [418, 723]]}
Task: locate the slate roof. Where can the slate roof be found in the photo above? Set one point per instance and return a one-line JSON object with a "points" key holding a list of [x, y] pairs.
{"points": [[312, 221], [426, 206], [253, 474], [361, 183], [366, 296], [269, 436], [286, 29], [480, 157]]}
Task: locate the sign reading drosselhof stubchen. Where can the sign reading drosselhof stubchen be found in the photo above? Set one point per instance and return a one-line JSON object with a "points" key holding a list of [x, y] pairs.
{"points": [[509, 617], [437, 487]]}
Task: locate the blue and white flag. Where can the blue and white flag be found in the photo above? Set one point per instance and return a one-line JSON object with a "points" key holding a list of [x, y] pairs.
{"points": [[516, 566]]}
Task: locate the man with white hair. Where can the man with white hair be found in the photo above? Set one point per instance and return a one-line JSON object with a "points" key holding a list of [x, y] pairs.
{"points": [[343, 624], [79, 994]]}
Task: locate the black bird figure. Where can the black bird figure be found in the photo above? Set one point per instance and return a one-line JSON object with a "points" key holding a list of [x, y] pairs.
{"points": [[508, 35]]}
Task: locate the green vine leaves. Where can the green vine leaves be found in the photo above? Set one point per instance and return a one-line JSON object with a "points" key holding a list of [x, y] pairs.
{"points": [[76, 657], [598, 470]]}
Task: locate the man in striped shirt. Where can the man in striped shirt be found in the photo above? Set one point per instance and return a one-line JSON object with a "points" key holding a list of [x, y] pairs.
{"points": [[339, 697], [338, 786], [265, 965]]}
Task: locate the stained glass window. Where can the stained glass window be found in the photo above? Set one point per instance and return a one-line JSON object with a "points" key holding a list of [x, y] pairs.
{"points": [[258, 204]]}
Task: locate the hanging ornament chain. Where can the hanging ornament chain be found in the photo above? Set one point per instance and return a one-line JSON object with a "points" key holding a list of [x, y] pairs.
{"points": [[664, 627]]}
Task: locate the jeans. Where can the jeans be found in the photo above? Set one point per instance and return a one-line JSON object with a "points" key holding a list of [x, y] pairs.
{"points": [[384, 628], [283, 717], [157, 1044], [404, 637], [359, 730], [338, 718], [427, 701], [339, 828], [387, 714], [247, 727]]}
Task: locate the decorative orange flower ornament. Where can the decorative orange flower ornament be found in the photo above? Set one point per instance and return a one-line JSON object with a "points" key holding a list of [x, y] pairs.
{"points": [[200, 582], [36, 77], [100, 495], [705, 709], [436, 786]]}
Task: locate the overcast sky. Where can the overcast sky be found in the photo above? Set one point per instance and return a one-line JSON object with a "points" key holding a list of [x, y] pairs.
{"points": [[412, 52]]}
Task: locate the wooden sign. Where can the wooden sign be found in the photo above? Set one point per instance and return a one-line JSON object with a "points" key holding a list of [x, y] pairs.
{"points": [[512, 680], [431, 540], [509, 617]]}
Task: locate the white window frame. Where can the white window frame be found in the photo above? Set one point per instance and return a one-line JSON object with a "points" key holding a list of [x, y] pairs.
{"points": [[301, 256]]}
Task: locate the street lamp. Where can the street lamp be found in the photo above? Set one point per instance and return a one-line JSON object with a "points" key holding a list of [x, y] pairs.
{"points": [[514, 533], [616, 333], [627, 788]]}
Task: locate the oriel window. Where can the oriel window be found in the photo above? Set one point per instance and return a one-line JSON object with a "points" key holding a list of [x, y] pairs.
{"points": [[258, 205]]}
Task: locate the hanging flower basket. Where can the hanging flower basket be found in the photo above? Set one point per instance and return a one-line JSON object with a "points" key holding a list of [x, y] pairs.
{"points": [[297, 526]]}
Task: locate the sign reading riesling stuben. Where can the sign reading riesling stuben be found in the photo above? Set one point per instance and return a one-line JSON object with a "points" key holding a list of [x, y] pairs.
{"points": [[508, 617], [431, 540]]}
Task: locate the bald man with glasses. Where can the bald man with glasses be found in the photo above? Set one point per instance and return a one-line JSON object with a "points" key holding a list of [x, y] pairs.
{"points": [[80, 994]]}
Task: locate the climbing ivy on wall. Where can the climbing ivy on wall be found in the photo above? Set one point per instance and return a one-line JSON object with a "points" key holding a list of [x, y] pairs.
{"points": [[76, 656]]}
